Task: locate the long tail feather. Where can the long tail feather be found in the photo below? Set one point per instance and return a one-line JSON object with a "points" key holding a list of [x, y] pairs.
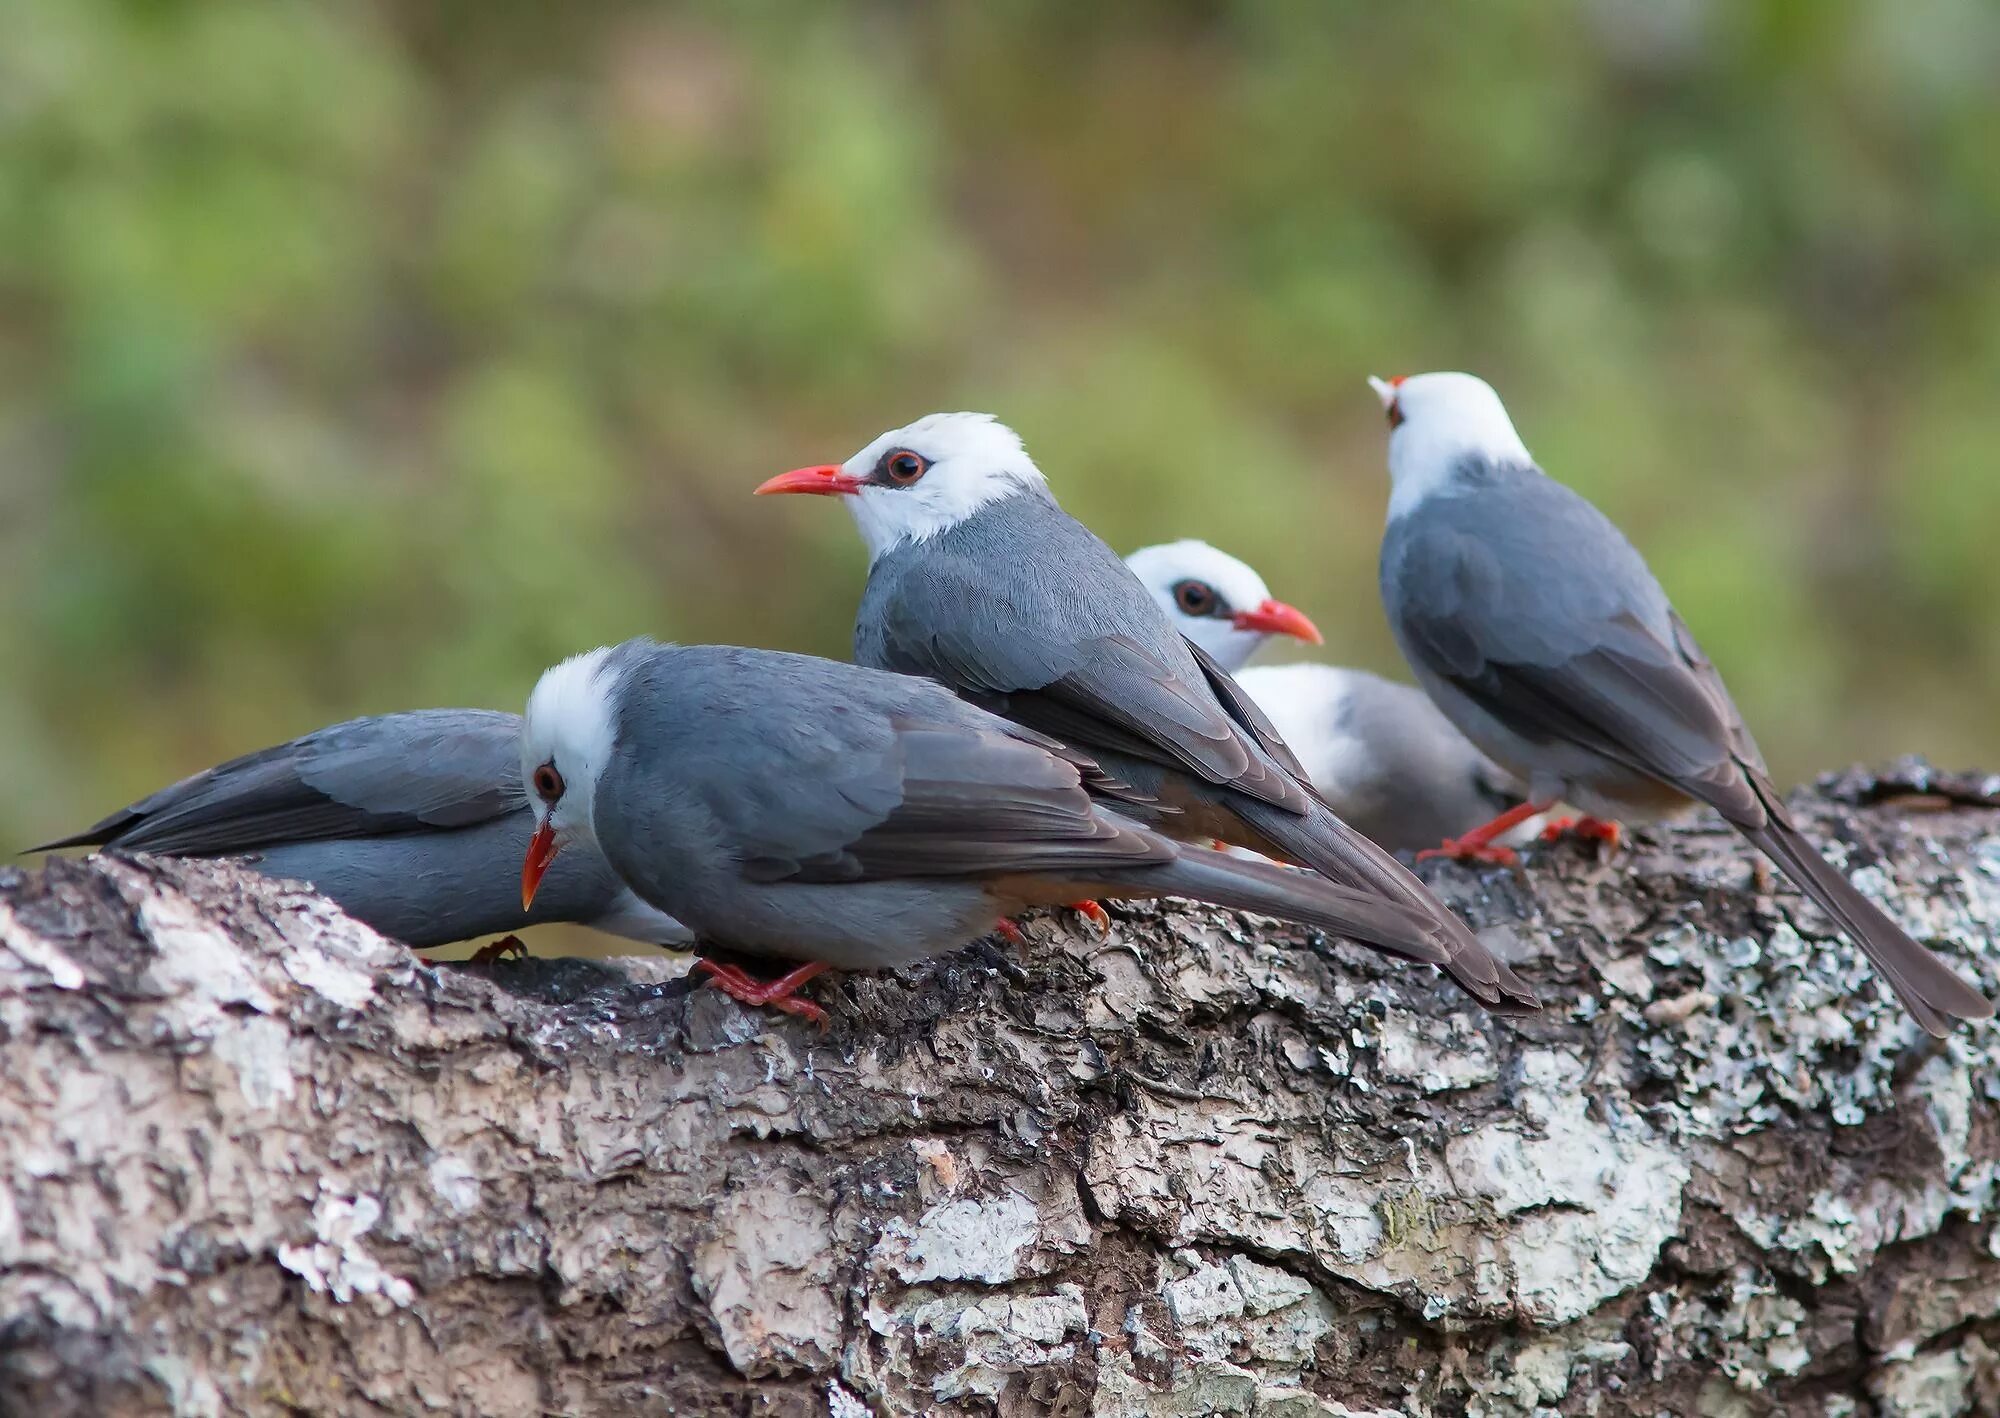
{"points": [[1323, 842], [1931, 990], [1201, 874]]}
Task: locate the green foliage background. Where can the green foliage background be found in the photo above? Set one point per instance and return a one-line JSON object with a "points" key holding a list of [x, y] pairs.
{"points": [[363, 356]]}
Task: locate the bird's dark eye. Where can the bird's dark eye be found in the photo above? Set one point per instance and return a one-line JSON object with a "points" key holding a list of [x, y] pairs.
{"points": [[1196, 598], [548, 782], [902, 467], [1395, 413]]}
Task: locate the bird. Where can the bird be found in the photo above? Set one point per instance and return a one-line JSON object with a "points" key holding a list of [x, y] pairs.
{"points": [[413, 823], [790, 807], [1541, 633], [979, 580], [1217, 601], [1383, 756]]}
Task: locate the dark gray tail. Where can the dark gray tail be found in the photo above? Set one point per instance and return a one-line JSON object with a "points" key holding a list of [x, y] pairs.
{"points": [[1220, 879], [1930, 990], [1329, 846], [96, 836]]}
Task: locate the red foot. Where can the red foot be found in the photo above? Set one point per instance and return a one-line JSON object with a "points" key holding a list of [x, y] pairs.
{"points": [[501, 949], [1477, 845], [1010, 930], [1465, 849], [1095, 914], [1595, 828], [775, 994]]}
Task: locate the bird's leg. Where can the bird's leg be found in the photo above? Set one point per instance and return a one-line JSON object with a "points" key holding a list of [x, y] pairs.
{"points": [[1477, 845], [1093, 913], [1008, 929], [778, 994], [1591, 827], [505, 947]]}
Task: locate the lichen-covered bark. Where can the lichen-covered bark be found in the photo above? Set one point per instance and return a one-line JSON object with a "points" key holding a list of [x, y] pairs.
{"points": [[253, 1158]]}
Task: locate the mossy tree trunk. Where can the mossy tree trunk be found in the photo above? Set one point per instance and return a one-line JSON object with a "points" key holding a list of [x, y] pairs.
{"points": [[253, 1158]]}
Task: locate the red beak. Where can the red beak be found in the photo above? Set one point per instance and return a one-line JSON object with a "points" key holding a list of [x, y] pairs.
{"points": [[1277, 618], [826, 480], [542, 849]]}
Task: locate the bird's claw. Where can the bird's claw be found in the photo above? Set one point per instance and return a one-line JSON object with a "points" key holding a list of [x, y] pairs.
{"points": [[776, 994], [1478, 845], [1470, 848], [1009, 930], [1592, 828], [506, 948], [1095, 914]]}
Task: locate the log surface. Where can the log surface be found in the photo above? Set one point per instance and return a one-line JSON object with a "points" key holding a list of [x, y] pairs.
{"points": [[256, 1159]]}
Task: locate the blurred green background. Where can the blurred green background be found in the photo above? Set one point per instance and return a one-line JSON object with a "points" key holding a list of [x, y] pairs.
{"points": [[362, 356]]}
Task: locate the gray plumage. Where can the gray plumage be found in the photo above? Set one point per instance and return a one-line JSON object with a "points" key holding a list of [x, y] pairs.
{"points": [[793, 807], [412, 822], [1024, 611], [1383, 756], [1539, 630]]}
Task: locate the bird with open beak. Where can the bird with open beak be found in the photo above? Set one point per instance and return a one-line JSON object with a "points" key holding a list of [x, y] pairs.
{"points": [[410, 822], [980, 581], [1539, 630], [790, 807]]}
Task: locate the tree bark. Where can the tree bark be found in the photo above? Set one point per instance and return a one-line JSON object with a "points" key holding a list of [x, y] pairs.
{"points": [[256, 1159]]}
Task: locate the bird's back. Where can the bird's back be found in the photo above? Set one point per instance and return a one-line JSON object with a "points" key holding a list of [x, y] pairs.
{"points": [[423, 769], [413, 822], [1539, 629], [1011, 594], [1526, 567], [731, 761]]}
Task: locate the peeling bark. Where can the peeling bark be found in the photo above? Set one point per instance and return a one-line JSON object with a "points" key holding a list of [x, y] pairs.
{"points": [[255, 1159]]}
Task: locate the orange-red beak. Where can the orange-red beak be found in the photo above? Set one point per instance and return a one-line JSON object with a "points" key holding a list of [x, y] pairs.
{"points": [[542, 849], [826, 480], [1277, 618]]}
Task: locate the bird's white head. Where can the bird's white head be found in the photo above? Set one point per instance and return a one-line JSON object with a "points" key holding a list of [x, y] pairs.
{"points": [[1436, 422], [566, 742], [915, 482], [1216, 601]]}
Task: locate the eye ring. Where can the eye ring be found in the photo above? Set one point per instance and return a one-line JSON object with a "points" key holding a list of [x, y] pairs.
{"points": [[548, 782], [901, 467], [1196, 598]]}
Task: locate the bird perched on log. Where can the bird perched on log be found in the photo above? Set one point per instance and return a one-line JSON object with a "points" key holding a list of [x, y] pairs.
{"points": [[413, 823], [796, 808], [1540, 632]]}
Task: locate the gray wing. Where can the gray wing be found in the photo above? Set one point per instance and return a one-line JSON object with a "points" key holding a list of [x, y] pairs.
{"points": [[1547, 618], [938, 799], [1074, 646], [432, 768], [802, 769], [1246, 712], [1529, 601]]}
